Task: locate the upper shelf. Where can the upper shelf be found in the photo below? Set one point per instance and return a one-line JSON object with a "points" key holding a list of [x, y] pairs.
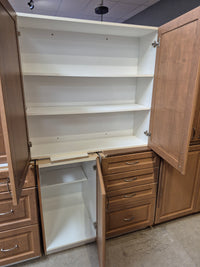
{"points": [[59, 70], [84, 26], [64, 110]]}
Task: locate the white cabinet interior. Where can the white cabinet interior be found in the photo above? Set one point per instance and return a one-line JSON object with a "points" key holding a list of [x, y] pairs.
{"points": [[68, 194], [88, 85]]}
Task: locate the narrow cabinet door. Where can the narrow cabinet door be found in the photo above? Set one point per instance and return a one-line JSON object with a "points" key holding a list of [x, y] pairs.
{"points": [[177, 193], [176, 88], [101, 216], [12, 108]]}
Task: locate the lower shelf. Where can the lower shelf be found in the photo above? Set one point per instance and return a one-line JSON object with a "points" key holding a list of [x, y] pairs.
{"points": [[49, 150], [68, 227]]}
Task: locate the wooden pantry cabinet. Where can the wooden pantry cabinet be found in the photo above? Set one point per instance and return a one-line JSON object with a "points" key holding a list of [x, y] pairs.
{"points": [[81, 108]]}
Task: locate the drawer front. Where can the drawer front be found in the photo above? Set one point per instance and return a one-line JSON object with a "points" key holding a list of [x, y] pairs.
{"points": [[29, 182], [141, 215], [126, 198], [19, 244], [25, 213], [129, 162], [130, 179]]}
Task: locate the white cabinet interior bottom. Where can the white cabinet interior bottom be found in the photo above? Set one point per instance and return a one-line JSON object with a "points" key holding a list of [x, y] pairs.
{"points": [[69, 204]]}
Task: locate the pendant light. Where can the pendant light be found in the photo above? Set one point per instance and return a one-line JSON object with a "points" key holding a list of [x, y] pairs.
{"points": [[101, 10]]}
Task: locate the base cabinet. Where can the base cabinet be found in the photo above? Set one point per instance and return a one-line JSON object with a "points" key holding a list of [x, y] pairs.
{"points": [[177, 193], [19, 226]]}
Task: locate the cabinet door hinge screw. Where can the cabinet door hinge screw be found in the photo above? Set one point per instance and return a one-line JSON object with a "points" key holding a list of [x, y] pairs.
{"points": [[156, 43], [147, 133]]}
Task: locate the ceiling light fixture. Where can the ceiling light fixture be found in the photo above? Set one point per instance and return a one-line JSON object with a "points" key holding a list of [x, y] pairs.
{"points": [[31, 4], [101, 10]]}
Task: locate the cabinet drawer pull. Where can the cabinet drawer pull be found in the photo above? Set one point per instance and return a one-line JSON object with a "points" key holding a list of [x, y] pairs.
{"points": [[8, 212], [7, 184], [130, 180], [132, 163], [129, 219], [130, 195], [9, 249]]}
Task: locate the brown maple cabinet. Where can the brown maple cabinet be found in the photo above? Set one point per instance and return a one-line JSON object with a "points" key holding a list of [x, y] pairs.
{"points": [[177, 193], [80, 103]]}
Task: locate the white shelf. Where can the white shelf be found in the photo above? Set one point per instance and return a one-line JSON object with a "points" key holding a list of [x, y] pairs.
{"points": [[64, 110], [49, 150], [62, 176], [67, 227], [32, 21], [60, 71]]}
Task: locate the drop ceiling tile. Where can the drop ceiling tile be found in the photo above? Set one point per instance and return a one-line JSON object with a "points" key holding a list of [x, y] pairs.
{"points": [[121, 9], [72, 8]]}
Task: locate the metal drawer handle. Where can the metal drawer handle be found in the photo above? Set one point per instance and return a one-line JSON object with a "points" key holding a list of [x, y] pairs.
{"points": [[132, 163], [7, 183], [9, 249], [130, 180], [130, 195], [129, 219], [8, 212]]}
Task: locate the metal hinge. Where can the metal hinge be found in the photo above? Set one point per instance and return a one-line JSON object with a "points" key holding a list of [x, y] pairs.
{"points": [[147, 133], [30, 144], [95, 225], [19, 33], [156, 43]]}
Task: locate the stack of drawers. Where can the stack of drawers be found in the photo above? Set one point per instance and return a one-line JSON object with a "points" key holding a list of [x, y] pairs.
{"points": [[19, 228], [131, 185]]}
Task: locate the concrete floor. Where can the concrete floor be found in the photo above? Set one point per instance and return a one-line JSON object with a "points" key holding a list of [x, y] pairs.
{"points": [[172, 244]]}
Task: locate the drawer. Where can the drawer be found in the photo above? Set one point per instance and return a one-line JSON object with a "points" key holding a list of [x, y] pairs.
{"points": [[126, 198], [19, 244], [129, 162], [128, 179], [29, 182], [137, 217], [25, 213]]}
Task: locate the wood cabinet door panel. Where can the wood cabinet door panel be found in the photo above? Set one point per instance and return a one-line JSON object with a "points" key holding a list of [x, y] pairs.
{"points": [[101, 216], [175, 91], [12, 108], [176, 193]]}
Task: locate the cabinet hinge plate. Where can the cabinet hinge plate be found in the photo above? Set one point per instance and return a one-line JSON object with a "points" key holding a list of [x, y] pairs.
{"points": [[156, 43], [30, 144], [18, 33], [147, 133]]}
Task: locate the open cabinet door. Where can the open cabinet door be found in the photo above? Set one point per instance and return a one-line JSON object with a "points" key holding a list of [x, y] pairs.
{"points": [[12, 102], [101, 216], [176, 86]]}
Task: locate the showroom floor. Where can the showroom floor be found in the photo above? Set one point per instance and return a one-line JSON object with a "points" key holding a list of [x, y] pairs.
{"points": [[172, 244]]}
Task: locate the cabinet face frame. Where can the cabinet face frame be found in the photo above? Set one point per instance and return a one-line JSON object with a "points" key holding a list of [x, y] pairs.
{"points": [[162, 121], [12, 107]]}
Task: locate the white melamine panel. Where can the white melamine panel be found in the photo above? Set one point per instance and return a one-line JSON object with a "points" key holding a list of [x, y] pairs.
{"points": [[47, 91], [147, 54], [60, 128], [48, 150], [144, 92], [89, 188], [63, 175], [31, 21], [61, 110], [69, 211], [67, 226]]}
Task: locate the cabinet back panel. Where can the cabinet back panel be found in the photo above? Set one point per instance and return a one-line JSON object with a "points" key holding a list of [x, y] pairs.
{"points": [[70, 90]]}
